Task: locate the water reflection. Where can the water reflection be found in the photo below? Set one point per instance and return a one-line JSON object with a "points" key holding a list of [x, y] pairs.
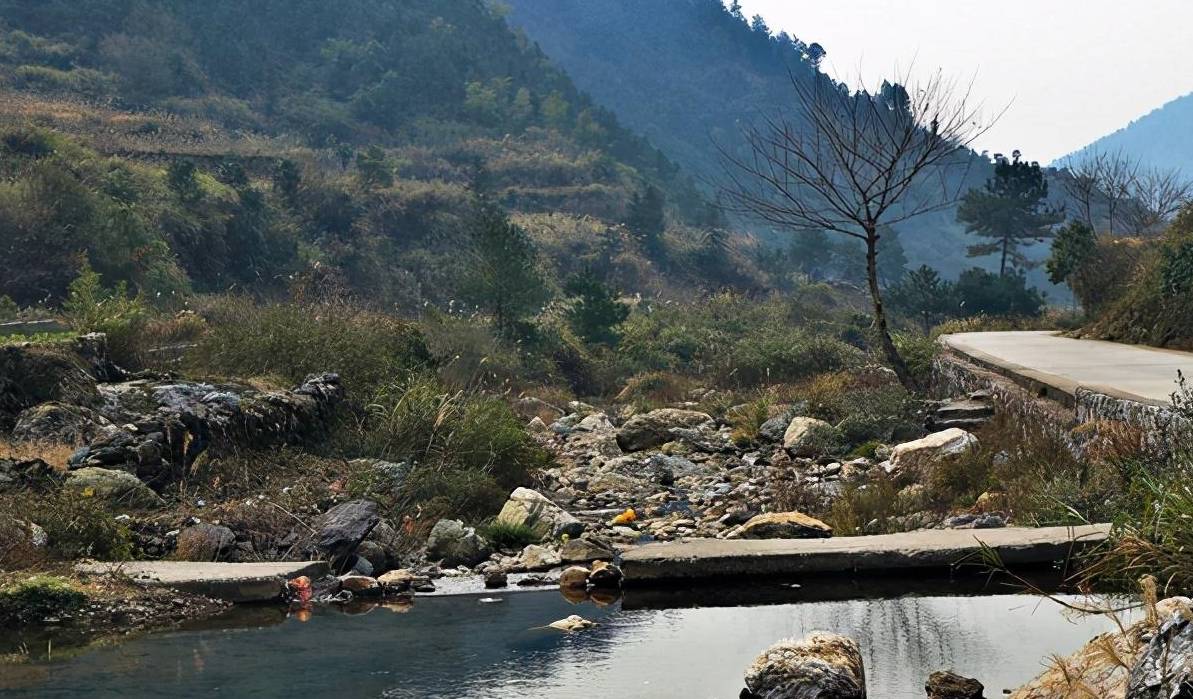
{"points": [[459, 647]]}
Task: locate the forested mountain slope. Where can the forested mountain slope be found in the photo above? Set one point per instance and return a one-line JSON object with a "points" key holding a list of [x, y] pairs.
{"points": [[180, 145]]}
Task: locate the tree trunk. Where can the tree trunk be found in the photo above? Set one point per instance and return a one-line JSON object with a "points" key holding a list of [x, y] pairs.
{"points": [[884, 332], [1002, 268]]}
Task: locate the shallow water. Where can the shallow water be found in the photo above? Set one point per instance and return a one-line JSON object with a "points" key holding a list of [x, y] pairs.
{"points": [[460, 647]]}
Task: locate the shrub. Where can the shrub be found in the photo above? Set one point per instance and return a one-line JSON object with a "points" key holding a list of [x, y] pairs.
{"points": [[467, 450], [34, 599], [511, 535], [78, 527], [89, 307], [292, 341], [979, 291]]}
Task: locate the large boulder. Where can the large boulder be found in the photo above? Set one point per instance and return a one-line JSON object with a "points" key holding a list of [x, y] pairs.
{"points": [[915, 458], [782, 525], [1112, 662], [805, 434], [531, 508], [822, 666], [655, 428], [341, 529], [949, 685], [32, 374], [60, 423], [204, 542], [117, 488], [454, 544], [1165, 669]]}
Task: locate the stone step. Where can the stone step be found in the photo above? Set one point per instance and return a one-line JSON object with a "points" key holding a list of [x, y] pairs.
{"points": [[234, 582], [707, 559]]}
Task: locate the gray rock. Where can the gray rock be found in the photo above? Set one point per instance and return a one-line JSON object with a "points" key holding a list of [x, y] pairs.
{"points": [[536, 558], [60, 423], [1165, 669], [455, 544], [655, 428], [531, 508], [495, 579], [585, 551], [804, 435], [204, 542], [822, 666], [341, 529], [117, 488]]}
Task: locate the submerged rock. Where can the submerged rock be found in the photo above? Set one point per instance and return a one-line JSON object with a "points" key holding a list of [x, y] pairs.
{"points": [[949, 685], [572, 623], [605, 575], [822, 666], [574, 578]]}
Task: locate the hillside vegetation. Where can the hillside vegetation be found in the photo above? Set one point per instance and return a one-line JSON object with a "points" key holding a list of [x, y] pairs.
{"points": [[227, 145]]}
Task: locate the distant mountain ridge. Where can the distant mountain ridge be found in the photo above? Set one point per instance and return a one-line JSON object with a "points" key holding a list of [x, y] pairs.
{"points": [[1162, 138]]}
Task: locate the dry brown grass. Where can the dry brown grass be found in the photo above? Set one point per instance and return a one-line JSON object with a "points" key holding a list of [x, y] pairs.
{"points": [[54, 454]]}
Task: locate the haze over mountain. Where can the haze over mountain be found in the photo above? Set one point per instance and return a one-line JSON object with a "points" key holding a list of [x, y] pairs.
{"points": [[687, 74], [1162, 138]]}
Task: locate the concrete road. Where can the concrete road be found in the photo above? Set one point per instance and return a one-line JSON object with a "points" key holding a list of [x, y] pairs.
{"points": [[1134, 372]]}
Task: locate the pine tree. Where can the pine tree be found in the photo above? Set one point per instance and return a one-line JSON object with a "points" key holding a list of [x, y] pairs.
{"points": [[647, 218], [1012, 210], [502, 275], [595, 311]]}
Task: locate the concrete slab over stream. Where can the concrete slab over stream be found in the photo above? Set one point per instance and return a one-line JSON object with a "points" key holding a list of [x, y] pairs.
{"points": [[706, 559], [234, 582]]}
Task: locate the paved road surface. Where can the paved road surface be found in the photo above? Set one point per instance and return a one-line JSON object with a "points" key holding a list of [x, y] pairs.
{"points": [[1126, 371]]}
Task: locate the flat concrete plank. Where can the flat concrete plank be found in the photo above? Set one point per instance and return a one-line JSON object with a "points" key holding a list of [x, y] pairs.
{"points": [[234, 582], [704, 559], [1132, 372]]}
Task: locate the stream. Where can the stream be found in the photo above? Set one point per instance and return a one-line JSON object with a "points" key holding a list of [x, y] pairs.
{"points": [[646, 645]]}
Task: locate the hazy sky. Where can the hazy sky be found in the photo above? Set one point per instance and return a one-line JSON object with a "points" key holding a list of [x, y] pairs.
{"points": [[1071, 70]]}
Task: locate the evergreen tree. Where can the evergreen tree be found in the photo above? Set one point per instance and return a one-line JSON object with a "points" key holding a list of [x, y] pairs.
{"points": [[923, 295], [647, 218], [502, 275], [595, 311], [1012, 210]]}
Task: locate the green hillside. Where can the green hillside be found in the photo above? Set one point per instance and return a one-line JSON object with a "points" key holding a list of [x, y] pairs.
{"points": [[224, 144]]}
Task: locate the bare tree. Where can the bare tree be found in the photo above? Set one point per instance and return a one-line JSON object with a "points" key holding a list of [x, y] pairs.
{"points": [[853, 163], [1135, 199], [1081, 185], [1157, 194]]}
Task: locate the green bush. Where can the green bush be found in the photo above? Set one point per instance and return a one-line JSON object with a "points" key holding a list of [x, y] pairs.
{"points": [[89, 307], [34, 599], [467, 450], [511, 535]]}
